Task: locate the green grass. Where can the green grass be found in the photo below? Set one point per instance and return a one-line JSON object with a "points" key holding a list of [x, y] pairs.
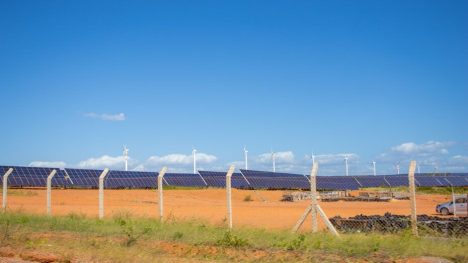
{"points": [[21, 192], [134, 235], [423, 190]]}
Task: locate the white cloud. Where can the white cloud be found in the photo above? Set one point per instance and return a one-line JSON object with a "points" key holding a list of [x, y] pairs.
{"points": [[58, 164], [237, 164], [280, 157], [106, 116], [181, 159], [459, 159], [430, 147], [104, 161], [140, 167]]}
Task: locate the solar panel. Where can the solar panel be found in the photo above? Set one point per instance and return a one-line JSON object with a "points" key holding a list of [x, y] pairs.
{"points": [[60, 180], [130, 179], [23, 176], [442, 180], [426, 181], [371, 181], [184, 179], [83, 178], [218, 179], [337, 183], [397, 180], [271, 180], [87, 178], [457, 180]]}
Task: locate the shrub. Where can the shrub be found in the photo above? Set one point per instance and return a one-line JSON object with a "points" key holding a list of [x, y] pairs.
{"points": [[231, 240], [248, 198]]}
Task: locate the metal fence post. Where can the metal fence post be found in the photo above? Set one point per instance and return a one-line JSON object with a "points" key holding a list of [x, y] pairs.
{"points": [[101, 192], [49, 191], [313, 192], [228, 195], [5, 188], [412, 189], [160, 191]]}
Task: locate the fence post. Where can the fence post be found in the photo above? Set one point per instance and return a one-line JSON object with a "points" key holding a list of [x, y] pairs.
{"points": [[327, 221], [101, 192], [228, 195], [49, 191], [313, 191], [5, 188], [160, 191], [412, 189]]}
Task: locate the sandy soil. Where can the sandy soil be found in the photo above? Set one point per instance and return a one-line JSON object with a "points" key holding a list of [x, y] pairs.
{"points": [[205, 204]]}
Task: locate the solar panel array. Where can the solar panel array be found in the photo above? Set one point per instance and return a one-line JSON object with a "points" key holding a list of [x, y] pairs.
{"points": [[218, 179], [246, 179], [32, 176], [184, 179], [125, 179], [83, 178], [270, 180]]}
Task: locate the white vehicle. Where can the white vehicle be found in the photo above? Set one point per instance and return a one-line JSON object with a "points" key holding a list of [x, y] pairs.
{"points": [[460, 207]]}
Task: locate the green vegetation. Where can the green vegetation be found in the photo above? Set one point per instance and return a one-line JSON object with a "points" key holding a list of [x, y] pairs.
{"points": [[126, 238], [248, 198], [423, 190], [21, 192], [171, 187]]}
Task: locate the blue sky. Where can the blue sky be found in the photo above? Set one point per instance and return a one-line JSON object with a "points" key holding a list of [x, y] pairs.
{"points": [[377, 80]]}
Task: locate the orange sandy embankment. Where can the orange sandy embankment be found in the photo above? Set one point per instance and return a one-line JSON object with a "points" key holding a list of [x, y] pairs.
{"points": [[205, 204]]}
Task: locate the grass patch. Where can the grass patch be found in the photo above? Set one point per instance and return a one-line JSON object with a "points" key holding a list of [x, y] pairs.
{"points": [[170, 187], [126, 238], [248, 198], [231, 240], [423, 190], [21, 192]]}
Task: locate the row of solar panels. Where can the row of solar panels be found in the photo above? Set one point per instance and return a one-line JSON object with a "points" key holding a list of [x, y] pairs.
{"points": [[85, 178]]}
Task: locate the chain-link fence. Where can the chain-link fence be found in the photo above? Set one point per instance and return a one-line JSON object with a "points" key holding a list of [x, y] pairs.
{"points": [[364, 204]]}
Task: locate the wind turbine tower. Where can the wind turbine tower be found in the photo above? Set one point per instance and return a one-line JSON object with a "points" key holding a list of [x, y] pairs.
{"points": [[346, 164], [273, 158], [313, 159], [125, 154], [245, 158], [398, 168], [194, 155], [375, 172]]}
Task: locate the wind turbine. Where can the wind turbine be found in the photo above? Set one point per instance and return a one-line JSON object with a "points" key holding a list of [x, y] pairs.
{"points": [[125, 155], [245, 158], [346, 164], [375, 171], [273, 158], [397, 166], [194, 155]]}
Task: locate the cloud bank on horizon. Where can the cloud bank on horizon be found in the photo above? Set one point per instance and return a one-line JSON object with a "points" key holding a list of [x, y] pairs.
{"points": [[431, 156]]}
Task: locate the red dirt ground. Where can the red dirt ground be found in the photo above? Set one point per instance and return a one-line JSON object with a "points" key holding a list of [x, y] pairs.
{"points": [[205, 204]]}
